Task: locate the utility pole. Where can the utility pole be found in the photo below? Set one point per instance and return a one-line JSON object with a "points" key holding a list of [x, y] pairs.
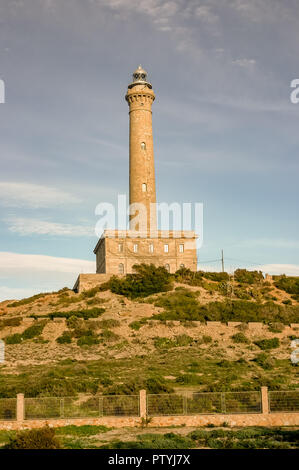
{"points": [[222, 261]]}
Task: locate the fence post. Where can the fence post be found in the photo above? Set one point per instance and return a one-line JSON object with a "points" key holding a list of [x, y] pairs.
{"points": [[265, 402], [142, 404], [20, 407]]}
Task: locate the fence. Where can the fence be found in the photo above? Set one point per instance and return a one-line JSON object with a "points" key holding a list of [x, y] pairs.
{"points": [[182, 403], [89, 407], [204, 403], [287, 401]]}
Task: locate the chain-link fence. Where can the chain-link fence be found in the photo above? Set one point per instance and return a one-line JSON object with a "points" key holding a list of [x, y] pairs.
{"points": [[8, 409], [188, 403], [86, 407], [284, 401]]}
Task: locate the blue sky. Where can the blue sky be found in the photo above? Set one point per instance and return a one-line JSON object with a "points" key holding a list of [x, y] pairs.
{"points": [[225, 130]]}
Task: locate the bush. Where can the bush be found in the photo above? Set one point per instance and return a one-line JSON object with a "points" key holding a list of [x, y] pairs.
{"points": [[83, 313], [240, 338], [178, 341], [268, 343], [109, 336], [109, 323], [14, 339], [31, 332], [288, 284], [87, 341], [248, 277], [43, 438], [264, 361], [64, 338], [34, 330], [147, 280], [137, 324]]}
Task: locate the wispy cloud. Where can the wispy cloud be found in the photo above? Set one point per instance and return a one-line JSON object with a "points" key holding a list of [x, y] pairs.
{"points": [[16, 262], [14, 194], [24, 275], [27, 226]]}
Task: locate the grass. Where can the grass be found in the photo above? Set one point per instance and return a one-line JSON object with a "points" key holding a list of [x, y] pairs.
{"points": [[31, 332], [246, 438], [108, 375], [183, 304], [81, 313]]}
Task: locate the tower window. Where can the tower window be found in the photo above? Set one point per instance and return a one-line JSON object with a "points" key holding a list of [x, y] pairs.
{"points": [[144, 187], [181, 248], [166, 248], [151, 248], [121, 268], [135, 248], [143, 145], [120, 247], [167, 267]]}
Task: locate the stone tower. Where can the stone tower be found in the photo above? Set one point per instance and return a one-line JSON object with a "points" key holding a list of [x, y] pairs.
{"points": [[117, 251], [140, 97]]}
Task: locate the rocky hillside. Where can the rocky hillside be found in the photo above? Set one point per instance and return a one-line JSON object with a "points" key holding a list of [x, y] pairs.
{"points": [[205, 333]]}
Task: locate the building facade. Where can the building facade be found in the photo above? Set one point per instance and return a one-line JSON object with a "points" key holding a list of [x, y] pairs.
{"points": [[118, 251]]}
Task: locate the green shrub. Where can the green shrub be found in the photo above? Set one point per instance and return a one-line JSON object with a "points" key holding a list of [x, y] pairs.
{"points": [[178, 341], [65, 338], [271, 343], [147, 280], [31, 332], [82, 313], [287, 302], [14, 339], [109, 336], [34, 330], [206, 339], [87, 341], [248, 277], [265, 361], [43, 438], [287, 283], [240, 338], [137, 324], [109, 323]]}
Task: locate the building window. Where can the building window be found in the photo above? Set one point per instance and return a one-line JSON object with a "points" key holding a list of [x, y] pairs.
{"points": [[121, 269], [181, 248], [135, 248], [166, 248], [167, 267], [144, 187], [182, 266], [143, 145], [120, 247], [151, 248]]}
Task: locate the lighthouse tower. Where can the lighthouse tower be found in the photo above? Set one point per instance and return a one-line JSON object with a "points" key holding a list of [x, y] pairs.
{"points": [[117, 251], [140, 97]]}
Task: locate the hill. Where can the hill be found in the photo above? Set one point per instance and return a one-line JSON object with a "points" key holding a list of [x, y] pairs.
{"points": [[116, 339]]}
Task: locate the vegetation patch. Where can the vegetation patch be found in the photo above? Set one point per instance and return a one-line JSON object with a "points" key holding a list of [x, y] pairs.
{"points": [[147, 280], [271, 343], [240, 338], [31, 332], [43, 438], [81, 313]]}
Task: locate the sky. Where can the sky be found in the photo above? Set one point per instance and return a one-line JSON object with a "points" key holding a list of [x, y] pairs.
{"points": [[225, 129]]}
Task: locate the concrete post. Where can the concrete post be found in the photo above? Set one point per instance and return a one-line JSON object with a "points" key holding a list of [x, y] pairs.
{"points": [[265, 402], [142, 404], [20, 407]]}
